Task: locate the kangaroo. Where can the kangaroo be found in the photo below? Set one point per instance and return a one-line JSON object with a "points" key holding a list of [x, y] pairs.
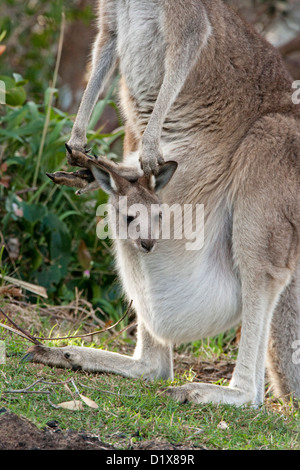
{"points": [[199, 87]]}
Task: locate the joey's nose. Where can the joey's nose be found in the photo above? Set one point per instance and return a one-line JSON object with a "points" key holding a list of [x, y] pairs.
{"points": [[147, 245]]}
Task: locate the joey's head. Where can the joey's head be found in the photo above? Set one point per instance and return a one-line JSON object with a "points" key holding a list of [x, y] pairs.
{"points": [[134, 205]]}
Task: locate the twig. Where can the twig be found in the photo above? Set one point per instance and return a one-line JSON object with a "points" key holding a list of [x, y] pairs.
{"points": [[48, 310], [52, 404], [74, 385], [97, 332], [24, 390], [27, 390], [36, 340], [38, 381], [47, 119], [14, 331], [25, 333], [119, 333]]}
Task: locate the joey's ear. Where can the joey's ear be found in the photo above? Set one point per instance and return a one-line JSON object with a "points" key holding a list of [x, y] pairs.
{"points": [[164, 175], [109, 181], [104, 179]]}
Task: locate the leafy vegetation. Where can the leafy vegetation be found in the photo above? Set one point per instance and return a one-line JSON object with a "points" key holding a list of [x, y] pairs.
{"points": [[31, 30], [48, 237], [49, 234], [54, 230]]}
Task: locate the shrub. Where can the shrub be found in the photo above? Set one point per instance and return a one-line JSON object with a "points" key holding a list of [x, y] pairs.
{"points": [[49, 233]]}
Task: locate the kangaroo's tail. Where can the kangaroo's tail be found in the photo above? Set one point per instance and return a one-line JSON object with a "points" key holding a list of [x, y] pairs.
{"points": [[283, 361]]}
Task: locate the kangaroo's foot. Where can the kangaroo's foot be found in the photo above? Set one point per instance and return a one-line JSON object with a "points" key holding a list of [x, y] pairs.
{"points": [[68, 357], [207, 393]]}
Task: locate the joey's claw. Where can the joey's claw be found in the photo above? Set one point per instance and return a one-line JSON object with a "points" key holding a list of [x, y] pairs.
{"points": [[160, 159], [79, 179], [51, 176], [72, 153], [68, 148], [147, 169], [70, 158]]}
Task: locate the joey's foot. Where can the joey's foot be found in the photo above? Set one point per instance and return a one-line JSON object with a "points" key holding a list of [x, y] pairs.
{"points": [[207, 393], [79, 179], [150, 161], [72, 146], [78, 157], [65, 357]]}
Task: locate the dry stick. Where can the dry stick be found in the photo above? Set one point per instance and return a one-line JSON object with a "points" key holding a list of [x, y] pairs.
{"points": [[48, 311], [94, 332], [26, 389], [119, 333], [47, 119], [41, 392], [15, 331], [36, 341], [38, 381], [25, 333]]}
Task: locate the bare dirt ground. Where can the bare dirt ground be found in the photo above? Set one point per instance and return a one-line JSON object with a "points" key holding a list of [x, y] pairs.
{"points": [[20, 434]]}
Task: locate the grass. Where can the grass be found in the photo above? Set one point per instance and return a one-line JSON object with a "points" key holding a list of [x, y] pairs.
{"points": [[130, 411]]}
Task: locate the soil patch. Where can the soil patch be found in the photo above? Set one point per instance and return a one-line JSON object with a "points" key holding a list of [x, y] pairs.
{"points": [[21, 434]]}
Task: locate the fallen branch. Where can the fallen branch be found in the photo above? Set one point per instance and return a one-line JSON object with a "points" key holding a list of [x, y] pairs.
{"points": [[69, 405], [42, 391], [16, 332], [21, 332], [97, 332]]}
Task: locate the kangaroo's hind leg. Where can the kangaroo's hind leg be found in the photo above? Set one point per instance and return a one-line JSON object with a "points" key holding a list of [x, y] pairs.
{"points": [[265, 245], [262, 284], [283, 365], [151, 359]]}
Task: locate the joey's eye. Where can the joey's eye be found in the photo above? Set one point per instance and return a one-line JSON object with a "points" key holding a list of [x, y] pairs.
{"points": [[130, 219]]}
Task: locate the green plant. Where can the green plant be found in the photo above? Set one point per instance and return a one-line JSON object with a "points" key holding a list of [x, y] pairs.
{"points": [[55, 229], [31, 32]]}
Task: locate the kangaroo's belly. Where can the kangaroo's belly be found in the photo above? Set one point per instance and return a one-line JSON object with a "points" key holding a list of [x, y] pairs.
{"points": [[182, 295], [194, 301]]}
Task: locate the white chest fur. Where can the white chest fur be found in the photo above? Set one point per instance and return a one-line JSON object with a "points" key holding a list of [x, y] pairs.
{"points": [[179, 295], [183, 295]]}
